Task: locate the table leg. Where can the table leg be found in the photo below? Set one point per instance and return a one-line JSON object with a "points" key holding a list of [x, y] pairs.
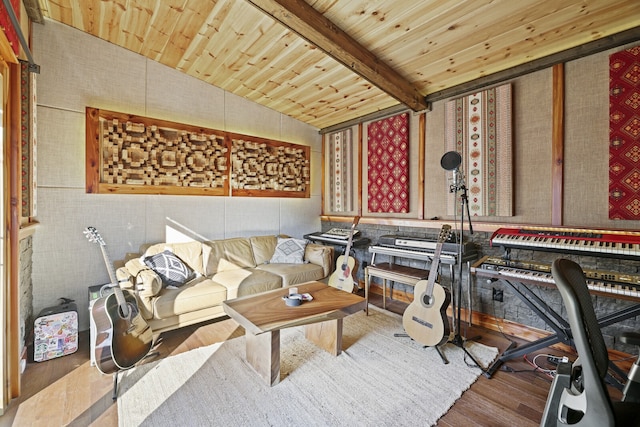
{"points": [[327, 335], [366, 289], [384, 294], [263, 354]]}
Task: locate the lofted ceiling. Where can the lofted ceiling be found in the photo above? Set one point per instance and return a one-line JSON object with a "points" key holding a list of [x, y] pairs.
{"points": [[325, 62]]}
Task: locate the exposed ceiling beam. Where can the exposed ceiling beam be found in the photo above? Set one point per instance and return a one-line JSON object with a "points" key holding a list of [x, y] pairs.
{"points": [[312, 26], [33, 11]]}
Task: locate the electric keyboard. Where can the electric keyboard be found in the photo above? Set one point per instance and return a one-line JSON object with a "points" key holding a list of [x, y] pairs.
{"points": [[517, 274], [321, 237], [617, 244], [422, 249], [607, 283], [339, 233]]}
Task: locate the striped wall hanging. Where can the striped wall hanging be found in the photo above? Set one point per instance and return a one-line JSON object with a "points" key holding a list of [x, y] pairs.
{"points": [[340, 155], [479, 127]]}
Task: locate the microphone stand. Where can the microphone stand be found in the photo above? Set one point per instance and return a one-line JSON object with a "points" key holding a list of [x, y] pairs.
{"points": [[457, 339]]}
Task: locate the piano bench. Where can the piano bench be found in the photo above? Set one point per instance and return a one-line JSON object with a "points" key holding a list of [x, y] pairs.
{"points": [[396, 273]]}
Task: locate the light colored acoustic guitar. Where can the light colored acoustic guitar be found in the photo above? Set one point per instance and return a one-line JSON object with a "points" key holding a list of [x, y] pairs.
{"points": [[342, 278], [425, 319]]}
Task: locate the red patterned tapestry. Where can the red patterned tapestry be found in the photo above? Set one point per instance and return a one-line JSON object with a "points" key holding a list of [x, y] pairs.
{"points": [[388, 164], [479, 127], [340, 154], [624, 134], [7, 26]]}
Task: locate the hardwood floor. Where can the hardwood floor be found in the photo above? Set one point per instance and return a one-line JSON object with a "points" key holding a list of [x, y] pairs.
{"points": [[68, 391]]}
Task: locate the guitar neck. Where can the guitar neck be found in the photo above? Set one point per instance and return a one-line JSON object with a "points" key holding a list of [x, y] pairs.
{"points": [[112, 277], [348, 248], [435, 264]]}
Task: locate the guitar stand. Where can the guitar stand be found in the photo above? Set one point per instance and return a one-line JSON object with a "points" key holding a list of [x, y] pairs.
{"points": [[440, 353], [114, 394]]}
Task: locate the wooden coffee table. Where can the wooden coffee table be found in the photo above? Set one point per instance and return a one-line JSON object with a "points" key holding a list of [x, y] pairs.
{"points": [[263, 315]]}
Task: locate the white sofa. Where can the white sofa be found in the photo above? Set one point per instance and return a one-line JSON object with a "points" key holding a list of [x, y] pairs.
{"points": [[223, 269]]}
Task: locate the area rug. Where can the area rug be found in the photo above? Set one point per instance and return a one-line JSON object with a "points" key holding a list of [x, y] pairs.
{"points": [[378, 380]]}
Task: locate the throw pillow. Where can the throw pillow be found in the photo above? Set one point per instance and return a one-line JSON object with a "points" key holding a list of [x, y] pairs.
{"points": [[170, 268], [290, 251]]}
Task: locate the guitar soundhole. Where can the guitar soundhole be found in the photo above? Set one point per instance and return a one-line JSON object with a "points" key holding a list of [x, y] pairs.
{"points": [[133, 311], [427, 300]]}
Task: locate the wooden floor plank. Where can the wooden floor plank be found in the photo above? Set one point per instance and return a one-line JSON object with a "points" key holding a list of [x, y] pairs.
{"points": [[68, 391]]}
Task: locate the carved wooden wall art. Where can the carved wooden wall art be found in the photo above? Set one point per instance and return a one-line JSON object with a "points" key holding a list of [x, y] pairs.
{"points": [[140, 155], [268, 168]]}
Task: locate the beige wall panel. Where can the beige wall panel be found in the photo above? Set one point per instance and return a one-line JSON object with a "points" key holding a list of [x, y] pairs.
{"points": [[297, 132], [202, 215], [249, 216], [174, 96], [65, 263], [436, 179], [316, 173], [61, 148], [532, 148], [250, 119], [587, 143], [298, 217], [79, 70]]}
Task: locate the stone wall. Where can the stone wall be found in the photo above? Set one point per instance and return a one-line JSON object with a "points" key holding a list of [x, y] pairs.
{"points": [[25, 289]]}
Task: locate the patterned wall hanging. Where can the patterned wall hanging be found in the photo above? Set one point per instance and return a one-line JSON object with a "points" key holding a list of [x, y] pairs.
{"points": [[388, 164], [340, 166], [28, 140], [7, 26], [624, 134], [479, 127]]}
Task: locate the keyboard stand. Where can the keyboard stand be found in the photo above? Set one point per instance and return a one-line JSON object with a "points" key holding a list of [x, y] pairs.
{"points": [[555, 322]]}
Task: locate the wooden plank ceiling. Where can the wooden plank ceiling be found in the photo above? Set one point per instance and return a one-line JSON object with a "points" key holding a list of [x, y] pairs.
{"points": [[363, 55]]}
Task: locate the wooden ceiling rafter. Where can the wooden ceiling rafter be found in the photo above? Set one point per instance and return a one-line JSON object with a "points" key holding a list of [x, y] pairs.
{"points": [[311, 25]]}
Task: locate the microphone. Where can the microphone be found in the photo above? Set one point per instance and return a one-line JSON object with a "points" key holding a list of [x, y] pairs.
{"points": [[451, 161]]}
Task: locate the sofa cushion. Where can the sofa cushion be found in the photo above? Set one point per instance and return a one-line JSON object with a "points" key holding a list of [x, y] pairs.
{"points": [[293, 274], [198, 294], [320, 255], [263, 248], [237, 250], [290, 251], [259, 281], [171, 269], [230, 276]]}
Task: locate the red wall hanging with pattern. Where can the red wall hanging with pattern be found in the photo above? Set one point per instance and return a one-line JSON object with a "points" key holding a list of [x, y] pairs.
{"points": [[388, 164]]}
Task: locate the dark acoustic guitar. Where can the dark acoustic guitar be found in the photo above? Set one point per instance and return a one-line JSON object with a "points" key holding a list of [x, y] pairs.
{"points": [[123, 337], [425, 319], [342, 278]]}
